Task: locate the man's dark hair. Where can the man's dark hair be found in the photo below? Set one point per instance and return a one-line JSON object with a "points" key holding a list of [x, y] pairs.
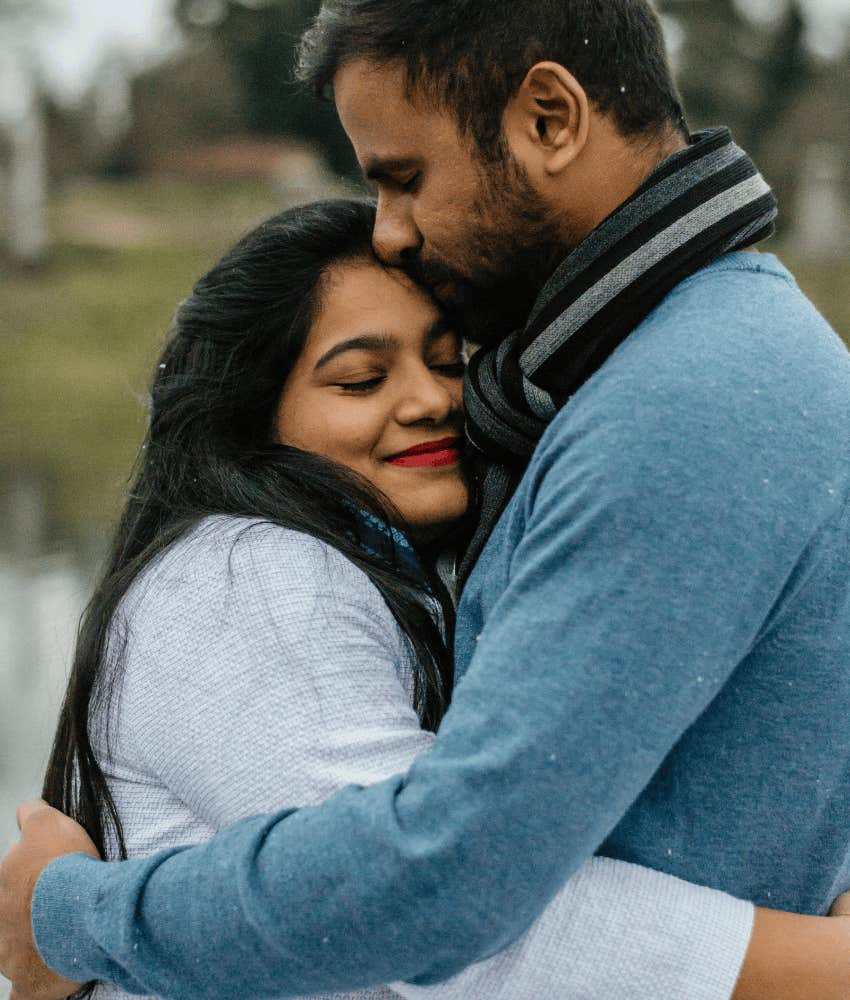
{"points": [[472, 55]]}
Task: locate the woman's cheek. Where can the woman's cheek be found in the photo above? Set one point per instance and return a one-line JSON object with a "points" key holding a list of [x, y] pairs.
{"points": [[352, 432]]}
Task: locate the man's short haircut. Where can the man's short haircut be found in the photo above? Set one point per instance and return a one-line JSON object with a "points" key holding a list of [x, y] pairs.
{"points": [[472, 55]]}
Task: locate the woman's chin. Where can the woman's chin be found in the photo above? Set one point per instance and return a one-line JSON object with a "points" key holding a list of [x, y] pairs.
{"points": [[433, 513]]}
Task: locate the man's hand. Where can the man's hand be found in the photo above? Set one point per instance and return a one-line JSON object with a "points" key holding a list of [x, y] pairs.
{"points": [[45, 835]]}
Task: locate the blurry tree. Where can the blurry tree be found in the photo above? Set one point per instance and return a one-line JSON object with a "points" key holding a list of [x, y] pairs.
{"points": [[258, 39], [23, 165], [786, 71], [748, 74], [193, 97], [737, 71]]}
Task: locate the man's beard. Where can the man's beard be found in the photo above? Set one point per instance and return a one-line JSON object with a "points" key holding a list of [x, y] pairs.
{"points": [[512, 247]]}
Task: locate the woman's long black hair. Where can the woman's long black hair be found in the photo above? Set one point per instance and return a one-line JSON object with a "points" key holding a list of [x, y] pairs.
{"points": [[210, 449]]}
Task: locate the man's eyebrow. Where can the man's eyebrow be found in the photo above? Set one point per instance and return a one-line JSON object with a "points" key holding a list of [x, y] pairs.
{"points": [[364, 342], [378, 169]]}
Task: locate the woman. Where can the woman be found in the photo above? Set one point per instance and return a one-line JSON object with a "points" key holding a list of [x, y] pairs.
{"points": [[264, 632]]}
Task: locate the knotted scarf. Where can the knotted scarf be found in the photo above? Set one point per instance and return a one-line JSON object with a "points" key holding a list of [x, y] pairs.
{"points": [[703, 201]]}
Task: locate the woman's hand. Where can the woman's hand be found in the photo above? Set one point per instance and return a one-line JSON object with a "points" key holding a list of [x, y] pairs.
{"points": [[46, 834]]}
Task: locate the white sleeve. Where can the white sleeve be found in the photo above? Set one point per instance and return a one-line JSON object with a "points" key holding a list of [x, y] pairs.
{"points": [[615, 931], [270, 677]]}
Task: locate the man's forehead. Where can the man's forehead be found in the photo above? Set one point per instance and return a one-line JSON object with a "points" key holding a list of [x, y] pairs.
{"points": [[376, 98], [361, 84], [385, 128]]}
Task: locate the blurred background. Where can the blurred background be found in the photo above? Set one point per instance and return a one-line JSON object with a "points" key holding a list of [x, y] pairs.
{"points": [[138, 140]]}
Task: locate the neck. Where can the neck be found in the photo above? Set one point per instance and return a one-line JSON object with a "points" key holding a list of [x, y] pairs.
{"points": [[608, 172]]}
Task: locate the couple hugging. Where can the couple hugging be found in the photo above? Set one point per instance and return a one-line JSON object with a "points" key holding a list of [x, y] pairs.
{"points": [[528, 680]]}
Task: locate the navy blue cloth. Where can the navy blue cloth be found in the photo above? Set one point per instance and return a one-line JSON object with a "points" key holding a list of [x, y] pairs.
{"points": [[653, 656]]}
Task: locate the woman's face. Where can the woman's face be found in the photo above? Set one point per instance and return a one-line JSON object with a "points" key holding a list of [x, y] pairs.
{"points": [[378, 388]]}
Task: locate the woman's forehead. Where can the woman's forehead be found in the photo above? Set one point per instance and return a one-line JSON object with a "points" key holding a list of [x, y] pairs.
{"points": [[368, 298]]}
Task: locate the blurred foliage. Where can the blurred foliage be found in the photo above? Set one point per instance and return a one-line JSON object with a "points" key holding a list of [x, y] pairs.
{"points": [[736, 71], [259, 40], [193, 98]]}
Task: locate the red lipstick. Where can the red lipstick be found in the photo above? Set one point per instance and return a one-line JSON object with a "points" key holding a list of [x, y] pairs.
{"points": [[429, 454]]}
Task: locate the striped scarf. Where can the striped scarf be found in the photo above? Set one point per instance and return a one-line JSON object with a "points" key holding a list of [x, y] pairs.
{"points": [[701, 202]]}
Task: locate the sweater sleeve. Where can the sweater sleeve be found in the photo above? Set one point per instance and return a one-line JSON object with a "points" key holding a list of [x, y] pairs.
{"points": [[276, 685]]}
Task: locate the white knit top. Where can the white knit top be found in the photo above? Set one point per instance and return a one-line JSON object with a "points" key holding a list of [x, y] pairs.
{"points": [[263, 670]]}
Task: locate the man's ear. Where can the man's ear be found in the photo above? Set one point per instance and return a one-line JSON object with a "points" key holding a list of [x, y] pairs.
{"points": [[548, 118]]}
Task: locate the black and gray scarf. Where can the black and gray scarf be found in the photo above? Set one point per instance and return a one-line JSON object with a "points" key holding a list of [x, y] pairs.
{"points": [[701, 202]]}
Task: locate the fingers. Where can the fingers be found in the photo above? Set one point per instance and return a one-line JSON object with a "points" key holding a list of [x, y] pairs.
{"points": [[52, 832], [27, 810]]}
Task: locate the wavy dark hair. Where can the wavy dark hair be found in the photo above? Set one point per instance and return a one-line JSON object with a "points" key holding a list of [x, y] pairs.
{"points": [[211, 449]]}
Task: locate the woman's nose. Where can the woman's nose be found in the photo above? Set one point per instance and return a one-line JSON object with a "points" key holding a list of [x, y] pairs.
{"points": [[428, 398], [395, 237]]}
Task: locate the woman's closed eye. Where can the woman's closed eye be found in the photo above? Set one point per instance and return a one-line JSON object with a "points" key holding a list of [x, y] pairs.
{"points": [[362, 385]]}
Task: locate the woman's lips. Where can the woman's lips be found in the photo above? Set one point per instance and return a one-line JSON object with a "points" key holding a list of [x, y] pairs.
{"points": [[430, 454]]}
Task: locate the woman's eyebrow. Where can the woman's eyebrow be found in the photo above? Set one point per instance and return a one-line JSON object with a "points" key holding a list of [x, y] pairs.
{"points": [[363, 342], [439, 328]]}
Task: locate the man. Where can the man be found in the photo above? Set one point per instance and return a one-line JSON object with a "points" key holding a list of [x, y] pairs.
{"points": [[652, 644]]}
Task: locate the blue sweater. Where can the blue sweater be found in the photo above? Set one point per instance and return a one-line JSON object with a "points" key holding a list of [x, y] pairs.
{"points": [[653, 659]]}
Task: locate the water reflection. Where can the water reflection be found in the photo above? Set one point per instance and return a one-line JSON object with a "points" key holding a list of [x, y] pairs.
{"points": [[42, 600], [43, 595]]}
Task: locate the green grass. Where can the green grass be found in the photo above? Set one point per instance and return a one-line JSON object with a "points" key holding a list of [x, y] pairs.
{"points": [[80, 338]]}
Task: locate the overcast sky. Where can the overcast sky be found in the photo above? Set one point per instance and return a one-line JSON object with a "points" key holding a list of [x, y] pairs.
{"points": [[74, 45]]}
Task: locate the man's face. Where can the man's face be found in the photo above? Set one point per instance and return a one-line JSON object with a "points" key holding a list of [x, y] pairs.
{"points": [[474, 231]]}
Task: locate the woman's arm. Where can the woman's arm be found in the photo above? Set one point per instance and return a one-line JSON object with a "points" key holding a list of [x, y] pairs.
{"points": [[278, 683], [792, 957]]}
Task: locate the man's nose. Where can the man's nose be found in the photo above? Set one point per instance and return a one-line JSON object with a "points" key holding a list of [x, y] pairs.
{"points": [[396, 237]]}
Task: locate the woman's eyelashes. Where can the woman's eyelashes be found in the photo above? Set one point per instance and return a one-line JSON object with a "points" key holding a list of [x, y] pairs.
{"points": [[448, 369], [366, 385]]}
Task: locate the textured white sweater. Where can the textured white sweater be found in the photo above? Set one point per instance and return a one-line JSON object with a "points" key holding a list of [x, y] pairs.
{"points": [[263, 670]]}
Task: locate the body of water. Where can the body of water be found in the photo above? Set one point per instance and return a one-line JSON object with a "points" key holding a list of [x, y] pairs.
{"points": [[42, 598]]}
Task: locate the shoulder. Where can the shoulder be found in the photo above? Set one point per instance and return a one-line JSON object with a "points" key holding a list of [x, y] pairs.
{"points": [[239, 599], [733, 391], [233, 569], [742, 313], [226, 550]]}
